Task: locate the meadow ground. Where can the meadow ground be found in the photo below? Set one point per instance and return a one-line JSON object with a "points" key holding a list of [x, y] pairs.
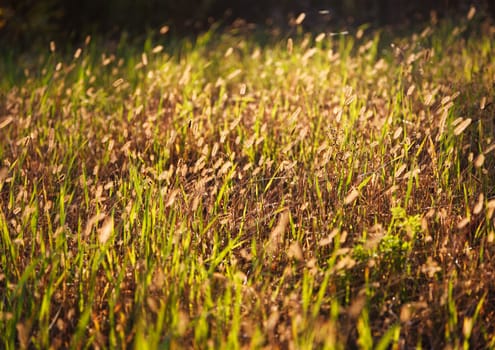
{"points": [[239, 190]]}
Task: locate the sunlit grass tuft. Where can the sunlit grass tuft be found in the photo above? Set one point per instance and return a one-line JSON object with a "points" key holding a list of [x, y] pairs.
{"points": [[324, 191]]}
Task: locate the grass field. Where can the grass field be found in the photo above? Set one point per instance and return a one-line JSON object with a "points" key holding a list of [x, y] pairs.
{"points": [[240, 190]]}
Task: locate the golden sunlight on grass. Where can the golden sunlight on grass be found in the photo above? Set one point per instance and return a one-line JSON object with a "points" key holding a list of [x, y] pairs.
{"points": [[317, 191]]}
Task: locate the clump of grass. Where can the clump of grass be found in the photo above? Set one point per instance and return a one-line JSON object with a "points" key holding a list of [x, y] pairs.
{"points": [[321, 191]]}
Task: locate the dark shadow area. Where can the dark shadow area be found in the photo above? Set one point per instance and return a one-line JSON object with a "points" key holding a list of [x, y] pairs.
{"points": [[23, 22]]}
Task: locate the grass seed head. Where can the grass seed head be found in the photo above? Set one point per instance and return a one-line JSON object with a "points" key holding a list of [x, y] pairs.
{"points": [[105, 230], [462, 126], [300, 18], [277, 235]]}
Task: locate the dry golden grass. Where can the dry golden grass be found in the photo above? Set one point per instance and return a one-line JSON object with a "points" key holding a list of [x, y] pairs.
{"points": [[321, 191]]}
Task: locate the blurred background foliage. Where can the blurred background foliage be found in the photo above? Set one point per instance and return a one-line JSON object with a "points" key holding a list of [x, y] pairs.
{"points": [[27, 20]]}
